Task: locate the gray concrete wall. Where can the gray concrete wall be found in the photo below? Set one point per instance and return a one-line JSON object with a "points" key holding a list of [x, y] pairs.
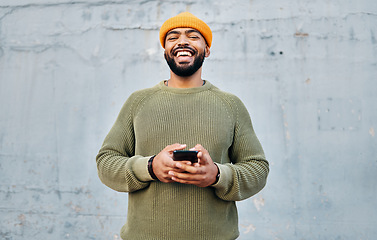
{"points": [[306, 71]]}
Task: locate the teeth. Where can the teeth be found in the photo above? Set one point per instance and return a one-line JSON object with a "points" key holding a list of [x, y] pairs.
{"points": [[184, 53]]}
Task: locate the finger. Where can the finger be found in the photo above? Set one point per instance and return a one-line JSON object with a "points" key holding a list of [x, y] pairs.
{"points": [[184, 162], [189, 169], [175, 169], [175, 146], [203, 157], [168, 154], [197, 164], [197, 147], [184, 181], [172, 165], [200, 149], [185, 177]]}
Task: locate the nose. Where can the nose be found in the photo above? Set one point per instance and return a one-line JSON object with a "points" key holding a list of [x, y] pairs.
{"points": [[183, 41]]}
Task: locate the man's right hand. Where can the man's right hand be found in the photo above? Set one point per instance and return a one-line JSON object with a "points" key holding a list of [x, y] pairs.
{"points": [[163, 162]]}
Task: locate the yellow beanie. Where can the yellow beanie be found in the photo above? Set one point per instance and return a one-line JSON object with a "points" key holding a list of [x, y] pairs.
{"points": [[185, 20]]}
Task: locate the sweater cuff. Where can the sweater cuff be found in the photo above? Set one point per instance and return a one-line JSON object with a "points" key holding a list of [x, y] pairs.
{"points": [[140, 169], [225, 176]]}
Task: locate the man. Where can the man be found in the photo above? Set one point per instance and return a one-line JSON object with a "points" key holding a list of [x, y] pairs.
{"points": [[179, 200]]}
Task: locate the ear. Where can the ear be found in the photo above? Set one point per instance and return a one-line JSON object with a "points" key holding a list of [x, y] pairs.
{"points": [[208, 51]]}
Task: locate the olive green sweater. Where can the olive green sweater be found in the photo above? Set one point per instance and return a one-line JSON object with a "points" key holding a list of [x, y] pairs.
{"points": [[159, 116]]}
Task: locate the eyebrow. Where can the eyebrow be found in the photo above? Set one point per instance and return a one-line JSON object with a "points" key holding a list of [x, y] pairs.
{"points": [[186, 32]]}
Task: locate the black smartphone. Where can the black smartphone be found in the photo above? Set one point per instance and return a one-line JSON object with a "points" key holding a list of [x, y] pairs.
{"points": [[185, 155]]}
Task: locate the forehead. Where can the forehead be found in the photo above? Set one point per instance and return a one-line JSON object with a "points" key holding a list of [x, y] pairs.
{"points": [[183, 31]]}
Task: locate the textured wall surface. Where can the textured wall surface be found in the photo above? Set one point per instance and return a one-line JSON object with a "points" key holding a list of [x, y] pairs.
{"points": [[306, 70]]}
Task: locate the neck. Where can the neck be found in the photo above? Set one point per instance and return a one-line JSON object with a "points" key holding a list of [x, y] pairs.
{"points": [[192, 81]]}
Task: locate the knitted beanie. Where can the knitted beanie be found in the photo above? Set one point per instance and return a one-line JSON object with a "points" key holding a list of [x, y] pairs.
{"points": [[185, 20]]}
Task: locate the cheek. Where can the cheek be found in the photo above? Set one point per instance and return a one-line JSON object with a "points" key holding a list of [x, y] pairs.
{"points": [[168, 51], [168, 46]]}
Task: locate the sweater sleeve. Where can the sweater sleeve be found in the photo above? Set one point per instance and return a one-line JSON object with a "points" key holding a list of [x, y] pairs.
{"points": [[118, 167], [247, 173]]}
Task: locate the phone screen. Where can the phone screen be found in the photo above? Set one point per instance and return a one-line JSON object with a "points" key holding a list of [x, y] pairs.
{"points": [[185, 155]]}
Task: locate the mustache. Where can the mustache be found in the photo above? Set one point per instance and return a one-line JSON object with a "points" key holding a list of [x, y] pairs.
{"points": [[183, 48]]}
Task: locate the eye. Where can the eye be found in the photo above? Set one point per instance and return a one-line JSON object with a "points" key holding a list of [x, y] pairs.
{"points": [[172, 38]]}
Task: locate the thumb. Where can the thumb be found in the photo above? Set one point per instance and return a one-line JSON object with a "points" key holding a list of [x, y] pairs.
{"points": [[176, 146]]}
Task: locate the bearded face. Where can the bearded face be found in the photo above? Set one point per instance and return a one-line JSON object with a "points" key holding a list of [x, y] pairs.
{"points": [[178, 62]]}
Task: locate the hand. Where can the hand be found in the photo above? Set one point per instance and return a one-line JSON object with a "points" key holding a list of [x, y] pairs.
{"points": [[201, 174], [163, 163]]}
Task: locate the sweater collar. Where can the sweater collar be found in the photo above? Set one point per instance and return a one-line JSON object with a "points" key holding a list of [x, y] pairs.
{"points": [[205, 87]]}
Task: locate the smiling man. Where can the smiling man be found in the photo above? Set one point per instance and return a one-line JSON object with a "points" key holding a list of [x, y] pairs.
{"points": [[182, 52], [171, 199]]}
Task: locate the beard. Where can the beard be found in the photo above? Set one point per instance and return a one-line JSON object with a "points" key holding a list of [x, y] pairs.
{"points": [[185, 70]]}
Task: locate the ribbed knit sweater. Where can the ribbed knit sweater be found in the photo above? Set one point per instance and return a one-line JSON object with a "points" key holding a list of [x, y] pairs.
{"points": [[159, 116]]}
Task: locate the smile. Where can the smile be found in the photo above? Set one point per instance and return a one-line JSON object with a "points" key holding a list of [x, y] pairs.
{"points": [[183, 53]]}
